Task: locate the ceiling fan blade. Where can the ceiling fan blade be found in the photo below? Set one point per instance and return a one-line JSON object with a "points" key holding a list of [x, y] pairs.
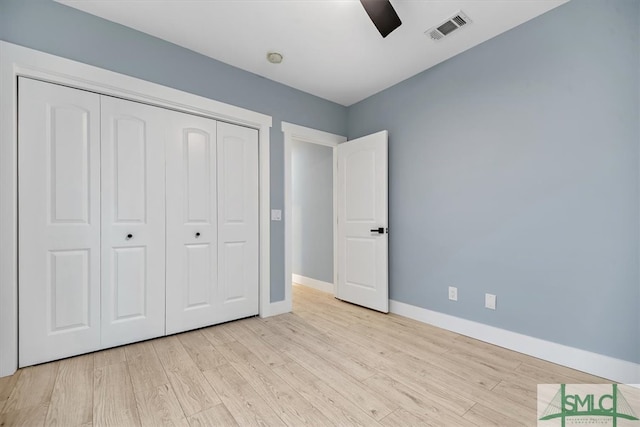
{"points": [[383, 15]]}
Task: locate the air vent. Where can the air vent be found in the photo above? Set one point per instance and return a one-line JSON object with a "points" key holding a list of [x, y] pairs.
{"points": [[449, 26]]}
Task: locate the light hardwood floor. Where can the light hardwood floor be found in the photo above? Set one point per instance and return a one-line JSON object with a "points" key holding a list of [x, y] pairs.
{"points": [[327, 363]]}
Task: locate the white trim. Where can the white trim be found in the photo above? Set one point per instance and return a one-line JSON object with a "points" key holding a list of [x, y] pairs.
{"points": [[288, 223], [593, 363], [8, 218], [279, 307], [312, 283], [265, 306], [335, 220], [20, 61], [313, 136]]}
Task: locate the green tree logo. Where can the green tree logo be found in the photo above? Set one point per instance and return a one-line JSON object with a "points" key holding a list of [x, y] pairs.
{"points": [[567, 405]]}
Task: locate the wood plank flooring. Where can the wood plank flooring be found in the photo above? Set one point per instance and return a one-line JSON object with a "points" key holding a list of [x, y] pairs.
{"points": [[327, 363]]}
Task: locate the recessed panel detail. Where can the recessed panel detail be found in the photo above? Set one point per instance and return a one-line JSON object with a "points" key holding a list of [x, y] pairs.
{"points": [[130, 172], [130, 282], [234, 280], [360, 262], [197, 167], [199, 281], [362, 202], [68, 135], [234, 180], [68, 296]]}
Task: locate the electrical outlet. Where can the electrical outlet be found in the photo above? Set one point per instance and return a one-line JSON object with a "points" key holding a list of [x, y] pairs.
{"points": [[276, 215], [453, 293], [490, 301]]}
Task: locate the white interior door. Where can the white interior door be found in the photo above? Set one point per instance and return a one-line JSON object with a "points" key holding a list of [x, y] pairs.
{"points": [[237, 221], [59, 221], [192, 252], [363, 221], [133, 221]]}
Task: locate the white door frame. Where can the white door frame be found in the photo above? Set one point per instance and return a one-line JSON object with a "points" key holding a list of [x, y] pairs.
{"points": [[20, 61], [293, 132]]}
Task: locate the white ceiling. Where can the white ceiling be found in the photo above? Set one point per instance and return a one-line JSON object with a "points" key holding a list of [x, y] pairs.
{"points": [[331, 48]]}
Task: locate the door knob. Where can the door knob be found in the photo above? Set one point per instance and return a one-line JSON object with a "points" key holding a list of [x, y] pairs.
{"points": [[129, 236], [197, 234], [379, 230]]}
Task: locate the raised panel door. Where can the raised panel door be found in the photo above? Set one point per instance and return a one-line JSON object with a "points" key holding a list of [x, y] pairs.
{"points": [[362, 222], [133, 221], [192, 269], [59, 221], [237, 221]]}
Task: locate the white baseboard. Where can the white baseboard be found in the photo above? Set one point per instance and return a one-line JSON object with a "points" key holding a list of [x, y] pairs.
{"points": [[593, 363], [313, 283]]}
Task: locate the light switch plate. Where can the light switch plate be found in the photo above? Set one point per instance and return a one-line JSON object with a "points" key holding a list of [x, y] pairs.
{"points": [[276, 215], [490, 301]]}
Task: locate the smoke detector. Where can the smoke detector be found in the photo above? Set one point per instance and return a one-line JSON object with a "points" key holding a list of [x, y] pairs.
{"points": [[447, 27], [274, 57]]}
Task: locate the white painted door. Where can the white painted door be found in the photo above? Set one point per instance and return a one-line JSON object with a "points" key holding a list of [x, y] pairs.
{"points": [[363, 221], [212, 222], [59, 222], [192, 253], [114, 245], [133, 221], [237, 221]]}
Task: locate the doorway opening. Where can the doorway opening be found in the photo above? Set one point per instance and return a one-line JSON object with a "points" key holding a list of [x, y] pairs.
{"points": [[310, 211]]}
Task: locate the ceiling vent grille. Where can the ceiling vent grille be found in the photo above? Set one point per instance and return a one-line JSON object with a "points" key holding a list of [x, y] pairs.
{"points": [[447, 27]]}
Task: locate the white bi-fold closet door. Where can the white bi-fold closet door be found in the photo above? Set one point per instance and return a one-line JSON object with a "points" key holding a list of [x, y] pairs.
{"points": [[134, 222], [59, 222], [212, 245]]}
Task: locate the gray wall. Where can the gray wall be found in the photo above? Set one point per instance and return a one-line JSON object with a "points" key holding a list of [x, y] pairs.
{"points": [[60, 30], [312, 203], [514, 171]]}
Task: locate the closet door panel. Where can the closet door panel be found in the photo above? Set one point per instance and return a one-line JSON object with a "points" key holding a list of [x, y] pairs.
{"points": [[192, 285], [68, 290], [129, 278], [197, 153], [59, 221], [129, 166], [133, 221], [237, 221], [198, 289]]}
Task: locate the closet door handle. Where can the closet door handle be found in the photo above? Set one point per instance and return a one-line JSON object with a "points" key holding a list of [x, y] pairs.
{"points": [[197, 234], [129, 236]]}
